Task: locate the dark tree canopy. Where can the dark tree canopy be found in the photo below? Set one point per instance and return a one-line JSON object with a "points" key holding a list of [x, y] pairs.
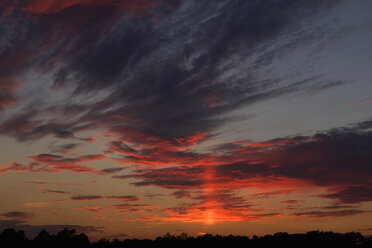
{"points": [[68, 238]]}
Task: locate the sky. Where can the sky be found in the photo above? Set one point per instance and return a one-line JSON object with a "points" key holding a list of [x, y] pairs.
{"points": [[124, 118]]}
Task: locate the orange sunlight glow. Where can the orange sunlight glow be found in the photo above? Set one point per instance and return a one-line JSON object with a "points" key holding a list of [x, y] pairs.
{"points": [[210, 188]]}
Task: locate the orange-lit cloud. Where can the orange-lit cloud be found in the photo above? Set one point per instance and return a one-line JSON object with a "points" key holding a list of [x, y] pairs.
{"points": [[367, 100]]}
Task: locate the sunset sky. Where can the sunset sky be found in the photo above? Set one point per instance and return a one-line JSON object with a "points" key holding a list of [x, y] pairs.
{"points": [[133, 118]]}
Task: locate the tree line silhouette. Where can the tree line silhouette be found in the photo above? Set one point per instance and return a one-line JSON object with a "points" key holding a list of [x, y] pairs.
{"points": [[68, 238]]}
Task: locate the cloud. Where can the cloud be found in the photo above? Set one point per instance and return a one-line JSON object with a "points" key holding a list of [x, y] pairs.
{"points": [[338, 206], [17, 215], [191, 79], [95, 209], [125, 198], [179, 194], [367, 100], [54, 7], [55, 191], [23, 128], [112, 170], [16, 167], [86, 197], [292, 202], [56, 160], [54, 163], [134, 208], [352, 194], [174, 177], [46, 168], [323, 214], [337, 160], [5, 100], [66, 148], [122, 198]]}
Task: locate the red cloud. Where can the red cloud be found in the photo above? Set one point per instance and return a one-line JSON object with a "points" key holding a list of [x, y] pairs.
{"points": [[192, 140], [16, 167], [134, 8], [141, 148], [8, 87], [59, 163], [280, 165], [56, 163]]}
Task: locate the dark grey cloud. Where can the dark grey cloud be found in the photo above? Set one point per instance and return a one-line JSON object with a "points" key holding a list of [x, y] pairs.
{"points": [[352, 194], [112, 170], [174, 177], [124, 198], [64, 148], [24, 128], [128, 207], [182, 77], [179, 194], [196, 62], [323, 214], [55, 191], [86, 197], [18, 215], [338, 206]]}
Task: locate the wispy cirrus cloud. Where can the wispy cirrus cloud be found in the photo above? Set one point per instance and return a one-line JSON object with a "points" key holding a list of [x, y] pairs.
{"points": [[192, 81], [367, 100]]}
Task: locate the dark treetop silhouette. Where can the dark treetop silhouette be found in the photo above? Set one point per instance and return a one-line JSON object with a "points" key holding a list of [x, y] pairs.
{"points": [[69, 238]]}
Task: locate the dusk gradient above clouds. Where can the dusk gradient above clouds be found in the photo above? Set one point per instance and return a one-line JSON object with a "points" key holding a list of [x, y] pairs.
{"points": [[125, 118]]}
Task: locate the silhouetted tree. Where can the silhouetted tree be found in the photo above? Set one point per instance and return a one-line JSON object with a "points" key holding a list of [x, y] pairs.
{"points": [[10, 237], [43, 239], [42, 236], [67, 238]]}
